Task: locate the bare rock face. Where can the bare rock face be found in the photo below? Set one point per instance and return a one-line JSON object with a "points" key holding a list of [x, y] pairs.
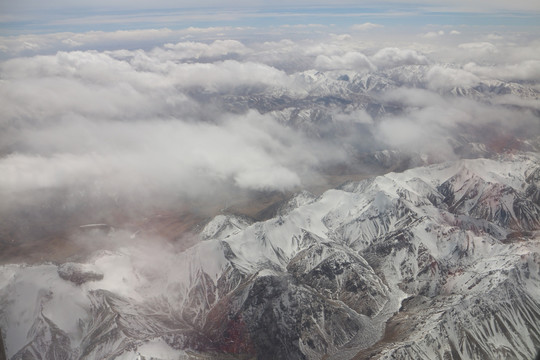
{"points": [[79, 273]]}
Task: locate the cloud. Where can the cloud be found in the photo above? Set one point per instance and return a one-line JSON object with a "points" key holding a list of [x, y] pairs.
{"points": [[528, 70], [479, 49], [30, 44], [424, 126], [349, 61], [140, 127], [304, 26], [111, 124], [229, 75], [365, 26], [416, 98], [494, 37], [252, 152], [121, 85], [392, 57], [431, 123], [145, 39], [445, 78], [513, 100], [86, 83], [357, 117], [433, 34]]}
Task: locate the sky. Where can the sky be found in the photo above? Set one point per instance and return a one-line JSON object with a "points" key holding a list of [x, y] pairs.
{"points": [[32, 16]]}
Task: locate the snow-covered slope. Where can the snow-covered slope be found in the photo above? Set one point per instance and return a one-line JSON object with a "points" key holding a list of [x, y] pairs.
{"points": [[435, 262]]}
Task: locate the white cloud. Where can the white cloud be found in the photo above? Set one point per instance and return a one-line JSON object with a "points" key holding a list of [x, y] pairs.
{"points": [[528, 70], [44, 43], [365, 26], [357, 116], [229, 75], [391, 57], [349, 61], [432, 121], [120, 122], [494, 37], [198, 50], [124, 84], [304, 26], [444, 78], [417, 98], [514, 100], [123, 39], [479, 49], [430, 35], [153, 121], [433, 34], [118, 157]]}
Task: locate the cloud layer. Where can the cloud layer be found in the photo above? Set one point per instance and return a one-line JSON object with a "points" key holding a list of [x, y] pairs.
{"points": [[198, 118]]}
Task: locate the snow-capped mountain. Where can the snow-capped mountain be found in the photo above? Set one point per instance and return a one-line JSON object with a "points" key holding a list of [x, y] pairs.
{"points": [[437, 262], [347, 89]]}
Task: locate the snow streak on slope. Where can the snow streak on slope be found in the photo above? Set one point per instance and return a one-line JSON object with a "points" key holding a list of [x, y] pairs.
{"points": [[435, 262]]}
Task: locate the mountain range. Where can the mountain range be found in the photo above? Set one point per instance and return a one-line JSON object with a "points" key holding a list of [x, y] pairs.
{"points": [[436, 262]]}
